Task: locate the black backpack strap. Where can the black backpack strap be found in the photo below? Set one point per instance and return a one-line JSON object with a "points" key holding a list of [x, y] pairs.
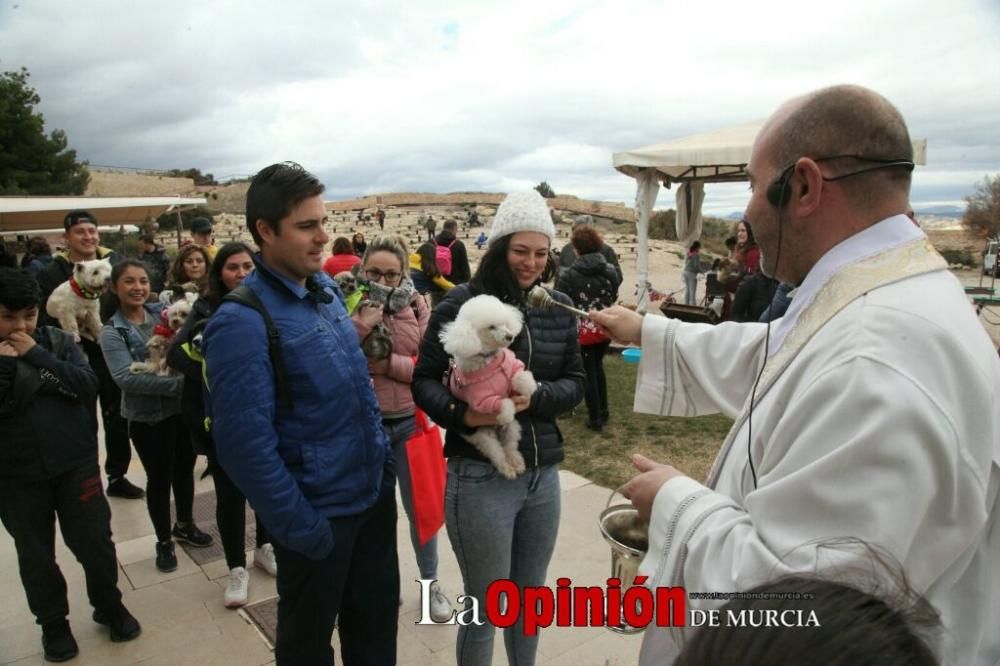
{"points": [[246, 296]]}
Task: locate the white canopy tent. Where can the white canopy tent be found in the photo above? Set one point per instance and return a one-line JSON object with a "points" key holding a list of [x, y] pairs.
{"points": [[22, 215], [720, 156]]}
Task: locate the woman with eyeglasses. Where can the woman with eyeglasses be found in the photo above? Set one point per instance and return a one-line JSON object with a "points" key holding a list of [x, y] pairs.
{"points": [[395, 309]]}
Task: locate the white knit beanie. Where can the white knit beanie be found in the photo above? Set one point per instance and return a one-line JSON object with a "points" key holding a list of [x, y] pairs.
{"points": [[522, 211]]}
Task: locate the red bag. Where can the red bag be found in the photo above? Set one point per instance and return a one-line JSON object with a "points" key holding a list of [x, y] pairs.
{"points": [[588, 333], [425, 456]]}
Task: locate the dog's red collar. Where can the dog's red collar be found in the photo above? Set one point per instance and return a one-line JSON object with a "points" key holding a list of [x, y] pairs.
{"points": [[81, 292], [165, 331]]}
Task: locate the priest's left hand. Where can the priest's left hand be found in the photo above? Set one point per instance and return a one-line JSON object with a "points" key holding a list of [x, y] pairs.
{"points": [[642, 488]]}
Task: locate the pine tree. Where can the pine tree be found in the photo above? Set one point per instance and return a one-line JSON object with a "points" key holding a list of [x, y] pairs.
{"points": [[30, 161]]}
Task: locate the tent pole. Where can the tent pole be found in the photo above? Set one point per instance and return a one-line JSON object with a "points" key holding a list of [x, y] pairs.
{"points": [[645, 199], [180, 225]]}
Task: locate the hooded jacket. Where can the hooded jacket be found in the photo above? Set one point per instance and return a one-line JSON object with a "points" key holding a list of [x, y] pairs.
{"points": [[547, 345], [44, 418], [591, 282]]}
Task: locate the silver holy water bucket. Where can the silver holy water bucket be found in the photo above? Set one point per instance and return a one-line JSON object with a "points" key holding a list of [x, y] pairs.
{"points": [[628, 537]]}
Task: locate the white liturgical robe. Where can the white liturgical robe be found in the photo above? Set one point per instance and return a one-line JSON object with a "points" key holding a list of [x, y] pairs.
{"points": [[876, 418]]}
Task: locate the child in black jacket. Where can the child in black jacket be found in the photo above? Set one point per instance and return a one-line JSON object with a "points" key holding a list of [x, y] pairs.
{"points": [[48, 468]]}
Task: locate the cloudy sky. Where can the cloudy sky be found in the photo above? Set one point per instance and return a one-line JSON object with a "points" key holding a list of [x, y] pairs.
{"points": [[381, 95]]}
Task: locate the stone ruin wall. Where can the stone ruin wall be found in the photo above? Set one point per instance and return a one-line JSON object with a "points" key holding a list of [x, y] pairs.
{"points": [[611, 211], [131, 184], [231, 198]]}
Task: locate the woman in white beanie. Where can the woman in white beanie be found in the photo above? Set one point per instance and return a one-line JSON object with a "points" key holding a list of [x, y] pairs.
{"points": [[500, 528]]}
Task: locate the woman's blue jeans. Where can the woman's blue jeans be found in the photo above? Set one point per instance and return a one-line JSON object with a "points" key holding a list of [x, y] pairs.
{"points": [[399, 431], [500, 529]]}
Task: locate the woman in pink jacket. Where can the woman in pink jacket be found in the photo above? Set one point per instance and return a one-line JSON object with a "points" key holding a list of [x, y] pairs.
{"points": [[394, 309]]}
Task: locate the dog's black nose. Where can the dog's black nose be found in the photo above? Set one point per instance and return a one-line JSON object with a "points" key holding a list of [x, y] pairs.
{"points": [[509, 337]]}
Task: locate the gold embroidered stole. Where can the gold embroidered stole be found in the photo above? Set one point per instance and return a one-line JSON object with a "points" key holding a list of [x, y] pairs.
{"points": [[847, 284]]}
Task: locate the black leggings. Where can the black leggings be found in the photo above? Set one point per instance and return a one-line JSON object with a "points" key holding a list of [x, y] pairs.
{"points": [[230, 515], [165, 451], [596, 389]]}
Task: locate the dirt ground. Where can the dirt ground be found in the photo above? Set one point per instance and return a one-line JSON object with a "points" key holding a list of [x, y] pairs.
{"points": [[665, 257]]}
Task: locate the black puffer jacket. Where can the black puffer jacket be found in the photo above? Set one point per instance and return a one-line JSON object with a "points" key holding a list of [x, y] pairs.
{"points": [[591, 282], [547, 346], [44, 418], [192, 396]]}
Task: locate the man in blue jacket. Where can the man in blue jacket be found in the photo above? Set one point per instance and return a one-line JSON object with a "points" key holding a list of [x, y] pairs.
{"points": [[315, 462]]}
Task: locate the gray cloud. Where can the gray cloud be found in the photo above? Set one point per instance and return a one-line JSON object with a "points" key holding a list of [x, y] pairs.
{"points": [[386, 95]]}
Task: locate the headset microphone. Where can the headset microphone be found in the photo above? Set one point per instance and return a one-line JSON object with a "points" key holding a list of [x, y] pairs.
{"points": [[778, 192]]}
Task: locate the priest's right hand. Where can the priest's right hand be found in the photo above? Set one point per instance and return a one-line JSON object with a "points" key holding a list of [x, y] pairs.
{"points": [[620, 324]]}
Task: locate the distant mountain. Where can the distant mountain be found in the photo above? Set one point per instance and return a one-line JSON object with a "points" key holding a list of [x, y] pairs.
{"points": [[941, 211], [936, 211]]}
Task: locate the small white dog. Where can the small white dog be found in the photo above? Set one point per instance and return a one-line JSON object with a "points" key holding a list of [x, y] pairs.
{"points": [[173, 318], [75, 304], [485, 374]]}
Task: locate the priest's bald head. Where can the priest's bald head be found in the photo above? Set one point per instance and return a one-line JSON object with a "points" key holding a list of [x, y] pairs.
{"points": [[824, 167]]}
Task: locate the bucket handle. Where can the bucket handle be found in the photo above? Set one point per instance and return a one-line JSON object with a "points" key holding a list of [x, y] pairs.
{"points": [[616, 491]]}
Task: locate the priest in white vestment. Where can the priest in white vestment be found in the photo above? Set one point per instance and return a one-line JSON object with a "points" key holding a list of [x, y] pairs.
{"points": [[875, 413]]}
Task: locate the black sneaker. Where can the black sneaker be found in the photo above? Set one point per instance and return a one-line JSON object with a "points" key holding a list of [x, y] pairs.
{"points": [[124, 627], [58, 642], [166, 560], [190, 534], [125, 489]]}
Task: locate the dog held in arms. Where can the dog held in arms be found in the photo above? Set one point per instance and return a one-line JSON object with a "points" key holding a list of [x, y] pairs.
{"points": [[74, 303], [485, 374], [173, 318]]}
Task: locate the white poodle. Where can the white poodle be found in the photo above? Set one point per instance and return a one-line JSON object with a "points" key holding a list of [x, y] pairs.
{"points": [[173, 318], [485, 374], [75, 304]]}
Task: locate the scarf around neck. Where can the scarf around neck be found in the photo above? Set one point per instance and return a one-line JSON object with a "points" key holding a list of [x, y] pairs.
{"points": [[392, 299]]}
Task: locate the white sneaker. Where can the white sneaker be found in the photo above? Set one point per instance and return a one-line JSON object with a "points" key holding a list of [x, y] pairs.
{"points": [[263, 557], [236, 588], [440, 606]]}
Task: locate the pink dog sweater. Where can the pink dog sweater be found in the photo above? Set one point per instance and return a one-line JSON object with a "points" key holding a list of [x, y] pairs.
{"points": [[484, 389]]}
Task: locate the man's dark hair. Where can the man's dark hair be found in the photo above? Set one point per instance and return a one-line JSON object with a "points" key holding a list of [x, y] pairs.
{"points": [[494, 277], [148, 239], [731, 242], [848, 120], [19, 289], [274, 191], [450, 225]]}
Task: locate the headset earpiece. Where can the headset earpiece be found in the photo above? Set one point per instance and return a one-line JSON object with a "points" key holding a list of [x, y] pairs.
{"points": [[779, 192]]}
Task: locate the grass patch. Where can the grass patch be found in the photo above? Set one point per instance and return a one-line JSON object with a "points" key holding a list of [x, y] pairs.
{"points": [[689, 444]]}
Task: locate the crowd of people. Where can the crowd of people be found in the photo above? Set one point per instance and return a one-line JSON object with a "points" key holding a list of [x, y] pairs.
{"points": [[874, 413]]}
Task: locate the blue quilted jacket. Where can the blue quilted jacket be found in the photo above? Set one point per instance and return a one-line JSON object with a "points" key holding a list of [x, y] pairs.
{"points": [[321, 457]]}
